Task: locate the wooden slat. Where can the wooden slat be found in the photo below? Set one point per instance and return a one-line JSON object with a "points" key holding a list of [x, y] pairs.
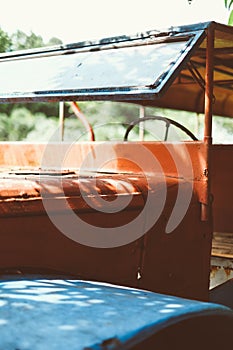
{"points": [[222, 244]]}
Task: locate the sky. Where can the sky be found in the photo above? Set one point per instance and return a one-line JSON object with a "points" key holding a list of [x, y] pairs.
{"points": [[77, 20]]}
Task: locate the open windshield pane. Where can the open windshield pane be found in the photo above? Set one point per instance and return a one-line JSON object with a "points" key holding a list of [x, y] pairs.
{"points": [[129, 67]]}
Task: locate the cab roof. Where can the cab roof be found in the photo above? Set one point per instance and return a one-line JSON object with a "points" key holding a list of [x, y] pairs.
{"points": [[156, 68]]}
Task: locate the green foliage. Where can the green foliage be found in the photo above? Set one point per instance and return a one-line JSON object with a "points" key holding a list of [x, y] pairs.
{"points": [[47, 109], [109, 122], [22, 41], [230, 20], [108, 119], [5, 127], [5, 41], [16, 126], [102, 112], [44, 129], [54, 41], [229, 5], [21, 124]]}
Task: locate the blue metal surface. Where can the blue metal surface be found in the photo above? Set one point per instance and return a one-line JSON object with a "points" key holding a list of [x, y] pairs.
{"points": [[60, 314]]}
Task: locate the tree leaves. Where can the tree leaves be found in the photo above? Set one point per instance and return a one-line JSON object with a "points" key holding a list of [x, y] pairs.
{"points": [[21, 41], [230, 20], [5, 41], [228, 4]]}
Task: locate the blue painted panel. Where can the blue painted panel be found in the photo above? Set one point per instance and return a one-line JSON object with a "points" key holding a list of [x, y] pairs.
{"points": [[60, 314]]}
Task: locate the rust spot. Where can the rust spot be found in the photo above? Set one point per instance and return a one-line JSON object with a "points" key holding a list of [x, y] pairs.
{"points": [[228, 271], [110, 343], [214, 270], [24, 195]]}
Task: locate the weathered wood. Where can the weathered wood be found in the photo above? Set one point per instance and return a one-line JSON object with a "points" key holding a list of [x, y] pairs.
{"points": [[222, 244]]}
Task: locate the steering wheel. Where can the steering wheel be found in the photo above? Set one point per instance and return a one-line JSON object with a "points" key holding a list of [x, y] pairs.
{"points": [[168, 123]]}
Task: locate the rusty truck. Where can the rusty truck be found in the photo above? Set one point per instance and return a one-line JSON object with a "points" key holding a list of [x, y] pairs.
{"points": [[115, 244]]}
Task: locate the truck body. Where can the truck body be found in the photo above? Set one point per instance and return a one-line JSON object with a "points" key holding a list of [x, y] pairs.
{"points": [[140, 215]]}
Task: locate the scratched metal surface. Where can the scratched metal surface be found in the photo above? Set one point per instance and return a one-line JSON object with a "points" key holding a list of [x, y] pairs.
{"points": [[70, 314]]}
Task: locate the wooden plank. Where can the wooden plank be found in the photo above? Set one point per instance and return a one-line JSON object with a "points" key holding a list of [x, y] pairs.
{"points": [[222, 244]]}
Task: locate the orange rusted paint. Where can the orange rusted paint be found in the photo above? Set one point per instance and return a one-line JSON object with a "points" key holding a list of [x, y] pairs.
{"points": [[83, 119], [221, 187], [30, 241], [206, 204]]}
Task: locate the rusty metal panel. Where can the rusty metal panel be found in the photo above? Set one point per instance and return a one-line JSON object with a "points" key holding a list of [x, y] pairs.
{"points": [[39, 244], [221, 187], [136, 263], [221, 270]]}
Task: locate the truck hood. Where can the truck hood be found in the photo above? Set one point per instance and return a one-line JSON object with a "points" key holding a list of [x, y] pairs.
{"points": [[53, 313]]}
